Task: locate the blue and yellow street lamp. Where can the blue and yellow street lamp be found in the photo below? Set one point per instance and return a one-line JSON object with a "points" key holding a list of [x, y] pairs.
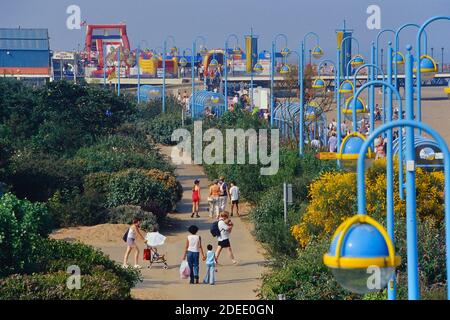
{"points": [[203, 51], [359, 244], [411, 223], [164, 53], [427, 67], [272, 72], [138, 64], [399, 57], [345, 87], [319, 53], [371, 68], [319, 67], [235, 50], [389, 153]]}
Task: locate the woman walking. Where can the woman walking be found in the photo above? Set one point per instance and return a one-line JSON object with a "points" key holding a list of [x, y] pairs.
{"points": [[195, 198], [214, 192], [192, 253], [133, 231], [225, 226]]}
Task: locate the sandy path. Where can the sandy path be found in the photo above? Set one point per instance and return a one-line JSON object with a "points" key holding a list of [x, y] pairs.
{"points": [[232, 282]]}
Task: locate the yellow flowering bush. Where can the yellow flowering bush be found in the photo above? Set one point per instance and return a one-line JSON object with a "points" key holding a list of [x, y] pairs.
{"points": [[333, 199]]}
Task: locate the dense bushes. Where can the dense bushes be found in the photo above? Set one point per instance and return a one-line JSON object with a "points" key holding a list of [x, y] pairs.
{"points": [[60, 117], [126, 214], [83, 151], [304, 278], [270, 227], [21, 224], [72, 208], [119, 152], [101, 278], [37, 176], [135, 187], [160, 126], [33, 267], [101, 285], [333, 198]]}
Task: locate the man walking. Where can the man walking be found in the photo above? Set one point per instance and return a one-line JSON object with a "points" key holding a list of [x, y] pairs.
{"points": [[223, 194], [234, 197]]}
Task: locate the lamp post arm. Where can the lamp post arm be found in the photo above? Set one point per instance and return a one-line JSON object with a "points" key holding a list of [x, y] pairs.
{"points": [[312, 34], [418, 54]]}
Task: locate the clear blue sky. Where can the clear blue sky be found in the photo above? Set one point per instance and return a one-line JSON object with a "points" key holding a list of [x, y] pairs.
{"points": [[152, 20]]}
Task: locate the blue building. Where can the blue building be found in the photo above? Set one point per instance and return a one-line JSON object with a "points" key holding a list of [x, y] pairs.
{"points": [[25, 54]]}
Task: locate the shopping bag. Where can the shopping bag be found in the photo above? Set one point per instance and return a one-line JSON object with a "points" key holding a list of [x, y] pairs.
{"points": [[147, 254], [184, 270]]}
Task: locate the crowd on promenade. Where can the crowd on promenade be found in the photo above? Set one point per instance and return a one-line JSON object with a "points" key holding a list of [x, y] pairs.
{"points": [[220, 194]]}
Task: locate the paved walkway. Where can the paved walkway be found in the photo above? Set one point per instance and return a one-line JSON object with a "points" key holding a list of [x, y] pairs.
{"points": [[233, 282]]}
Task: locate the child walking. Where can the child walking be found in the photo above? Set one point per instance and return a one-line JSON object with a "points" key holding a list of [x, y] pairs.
{"points": [[195, 198], [210, 265]]}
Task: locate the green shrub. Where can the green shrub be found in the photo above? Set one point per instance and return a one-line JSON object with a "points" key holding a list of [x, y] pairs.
{"points": [[160, 129], [97, 182], [270, 227], [126, 214], [431, 246], [134, 187], [304, 278], [22, 223], [169, 181], [72, 208], [57, 255], [101, 285], [117, 152], [37, 176]]}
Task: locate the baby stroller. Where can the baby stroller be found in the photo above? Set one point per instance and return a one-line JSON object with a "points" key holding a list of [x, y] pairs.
{"points": [[155, 257], [155, 239]]}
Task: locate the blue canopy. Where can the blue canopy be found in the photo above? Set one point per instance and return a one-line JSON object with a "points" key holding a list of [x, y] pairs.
{"points": [[207, 100]]}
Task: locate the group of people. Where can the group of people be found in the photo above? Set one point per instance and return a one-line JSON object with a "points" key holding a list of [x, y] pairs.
{"points": [[219, 193], [183, 100], [194, 248]]}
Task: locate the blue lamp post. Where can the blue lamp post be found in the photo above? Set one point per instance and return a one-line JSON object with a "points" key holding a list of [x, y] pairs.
{"points": [[301, 80], [138, 63], [377, 62], [398, 61], [400, 115], [371, 67], [194, 56], [378, 40], [397, 55], [337, 260], [118, 70], [319, 67], [104, 64], [272, 72], [425, 64], [225, 63], [251, 71], [389, 155], [164, 70], [412, 250], [338, 257], [338, 96]]}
